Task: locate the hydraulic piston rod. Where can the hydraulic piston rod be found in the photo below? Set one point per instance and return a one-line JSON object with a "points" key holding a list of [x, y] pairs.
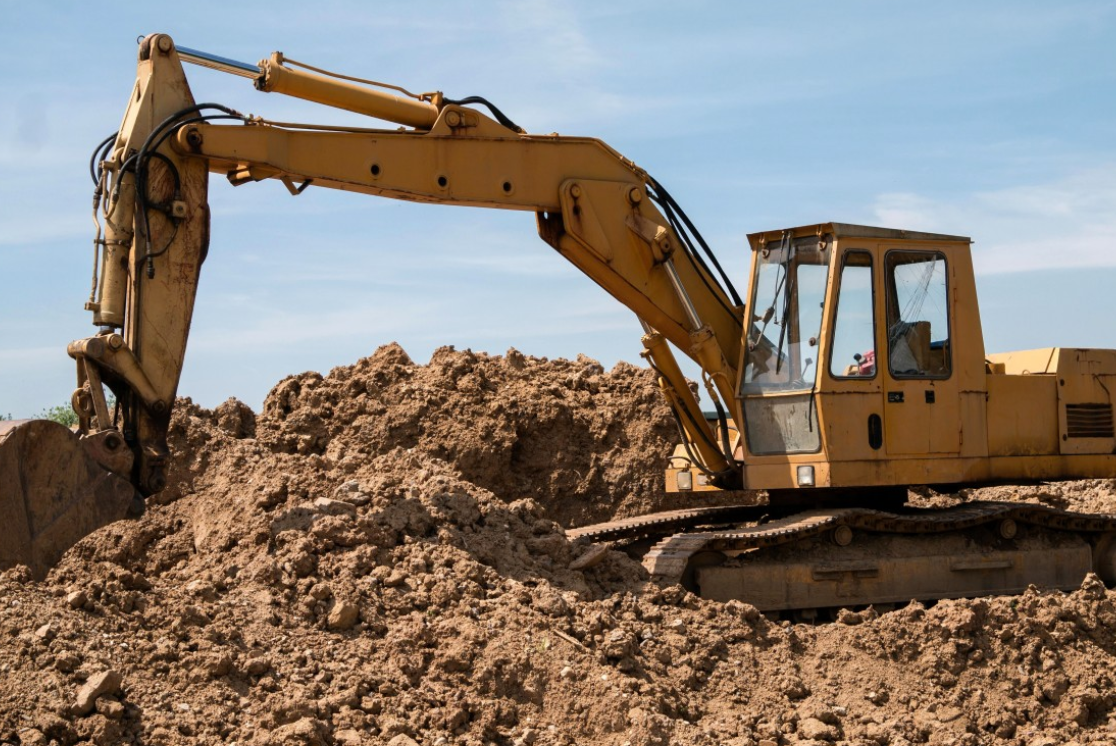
{"points": [[410, 112], [216, 62], [272, 76]]}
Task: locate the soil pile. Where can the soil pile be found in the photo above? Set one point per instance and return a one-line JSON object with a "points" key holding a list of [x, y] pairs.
{"points": [[588, 445], [378, 558]]}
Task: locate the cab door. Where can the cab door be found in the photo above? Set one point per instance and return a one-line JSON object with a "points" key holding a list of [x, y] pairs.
{"points": [[851, 399], [921, 406]]}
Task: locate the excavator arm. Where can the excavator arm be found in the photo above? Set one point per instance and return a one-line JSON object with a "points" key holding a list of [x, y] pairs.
{"points": [[596, 208]]}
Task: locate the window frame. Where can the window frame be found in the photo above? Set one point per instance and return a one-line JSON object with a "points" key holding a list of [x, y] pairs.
{"points": [[837, 315], [751, 387], [891, 297]]}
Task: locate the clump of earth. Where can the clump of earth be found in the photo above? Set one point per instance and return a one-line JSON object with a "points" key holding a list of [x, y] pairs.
{"points": [[379, 557]]}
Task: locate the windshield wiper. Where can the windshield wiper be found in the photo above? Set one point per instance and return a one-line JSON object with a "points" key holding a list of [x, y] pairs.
{"points": [[787, 292], [784, 266]]}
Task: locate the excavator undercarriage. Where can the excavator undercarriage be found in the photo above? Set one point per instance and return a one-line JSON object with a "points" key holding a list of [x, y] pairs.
{"points": [[827, 559]]}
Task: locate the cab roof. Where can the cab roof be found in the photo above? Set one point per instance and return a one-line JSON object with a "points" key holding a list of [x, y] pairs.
{"points": [[850, 230]]}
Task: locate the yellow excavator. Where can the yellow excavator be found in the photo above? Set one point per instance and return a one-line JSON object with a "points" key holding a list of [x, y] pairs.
{"points": [[853, 369]]}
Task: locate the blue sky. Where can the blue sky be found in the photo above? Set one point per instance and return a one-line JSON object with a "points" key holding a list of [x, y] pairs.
{"points": [[995, 120]]}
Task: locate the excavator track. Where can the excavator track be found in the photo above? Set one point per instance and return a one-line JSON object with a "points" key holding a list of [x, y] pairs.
{"points": [[666, 522], [858, 556]]}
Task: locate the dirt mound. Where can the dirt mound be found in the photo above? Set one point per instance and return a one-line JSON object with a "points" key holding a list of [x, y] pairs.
{"points": [[588, 445], [1085, 495], [377, 558]]}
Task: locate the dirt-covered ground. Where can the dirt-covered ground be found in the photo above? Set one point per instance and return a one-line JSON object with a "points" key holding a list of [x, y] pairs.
{"points": [[378, 558]]}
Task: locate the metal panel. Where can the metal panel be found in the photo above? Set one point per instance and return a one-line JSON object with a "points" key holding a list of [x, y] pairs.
{"points": [[1086, 380], [1022, 415]]}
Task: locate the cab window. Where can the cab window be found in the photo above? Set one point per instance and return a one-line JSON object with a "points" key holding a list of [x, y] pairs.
{"points": [[918, 325], [789, 287], [854, 335]]}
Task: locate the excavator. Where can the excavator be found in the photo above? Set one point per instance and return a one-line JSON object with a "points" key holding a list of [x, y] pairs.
{"points": [[852, 369]]}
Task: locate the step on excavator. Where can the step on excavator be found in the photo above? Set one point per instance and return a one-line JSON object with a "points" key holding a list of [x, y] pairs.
{"points": [[853, 370]]}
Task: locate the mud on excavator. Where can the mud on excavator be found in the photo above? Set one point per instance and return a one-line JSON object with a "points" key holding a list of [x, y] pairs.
{"points": [[854, 369]]}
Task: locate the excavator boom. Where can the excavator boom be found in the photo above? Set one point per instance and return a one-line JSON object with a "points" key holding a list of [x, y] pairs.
{"points": [[596, 208]]}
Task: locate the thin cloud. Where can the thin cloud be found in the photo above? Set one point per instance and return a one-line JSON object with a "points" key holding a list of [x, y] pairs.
{"points": [[1070, 222], [552, 36], [20, 355], [466, 313], [55, 229]]}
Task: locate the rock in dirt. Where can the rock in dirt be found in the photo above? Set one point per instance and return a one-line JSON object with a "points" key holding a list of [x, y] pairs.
{"points": [[330, 506], [402, 740], [343, 615], [103, 682], [591, 557], [307, 731], [348, 737], [66, 662], [816, 730], [258, 666], [111, 708]]}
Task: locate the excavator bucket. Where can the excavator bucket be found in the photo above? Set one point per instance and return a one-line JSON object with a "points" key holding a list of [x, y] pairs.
{"points": [[57, 487]]}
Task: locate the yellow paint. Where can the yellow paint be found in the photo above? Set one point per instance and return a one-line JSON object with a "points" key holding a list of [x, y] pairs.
{"points": [[933, 410]]}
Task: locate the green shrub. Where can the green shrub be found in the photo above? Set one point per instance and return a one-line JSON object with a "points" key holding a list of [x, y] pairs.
{"points": [[63, 414]]}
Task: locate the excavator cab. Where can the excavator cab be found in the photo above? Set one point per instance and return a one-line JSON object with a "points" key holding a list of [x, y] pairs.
{"points": [[862, 360], [860, 343]]}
